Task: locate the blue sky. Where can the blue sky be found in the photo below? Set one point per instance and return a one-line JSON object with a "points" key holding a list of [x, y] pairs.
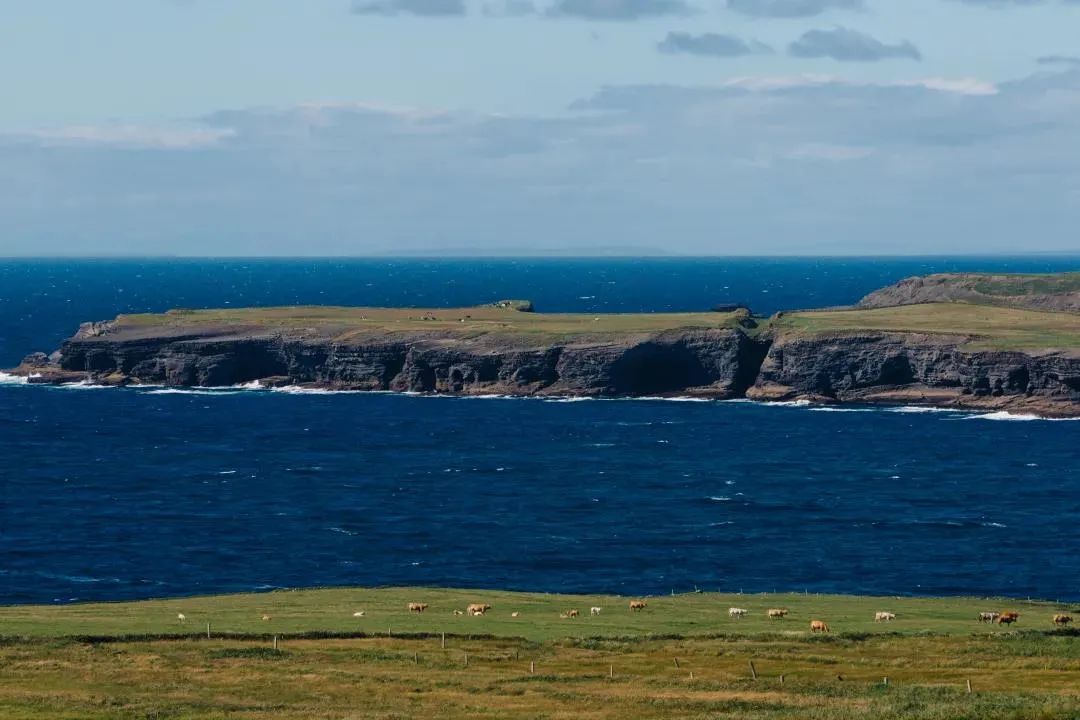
{"points": [[375, 126]]}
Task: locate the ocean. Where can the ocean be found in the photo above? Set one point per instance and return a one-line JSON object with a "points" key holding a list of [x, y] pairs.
{"points": [[122, 493]]}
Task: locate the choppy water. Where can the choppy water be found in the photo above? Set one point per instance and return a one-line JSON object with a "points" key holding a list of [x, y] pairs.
{"points": [[138, 493]]}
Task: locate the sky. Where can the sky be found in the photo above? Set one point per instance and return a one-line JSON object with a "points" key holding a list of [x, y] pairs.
{"points": [[699, 127]]}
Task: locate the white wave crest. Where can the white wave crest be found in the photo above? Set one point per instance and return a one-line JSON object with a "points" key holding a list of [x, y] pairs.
{"points": [[920, 409], [9, 379], [193, 391], [85, 385], [1018, 417], [300, 390], [677, 398], [828, 408], [1006, 416]]}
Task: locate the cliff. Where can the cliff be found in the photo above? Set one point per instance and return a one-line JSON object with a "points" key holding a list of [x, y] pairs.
{"points": [[911, 368], [945, 354], [499, 349]]}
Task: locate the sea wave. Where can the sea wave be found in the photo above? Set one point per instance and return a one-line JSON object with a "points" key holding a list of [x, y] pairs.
{"points": [[194, 391], [921, 409], [300, 390], [9, 379], [84, 385], [829, 408], [1002, 415]]}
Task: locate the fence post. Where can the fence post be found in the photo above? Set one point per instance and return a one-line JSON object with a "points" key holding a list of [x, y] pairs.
{"points": [[532, 667], [969, 686], [444, 641], [676, 662], [753, 670], [207, 631], [275, 642]]}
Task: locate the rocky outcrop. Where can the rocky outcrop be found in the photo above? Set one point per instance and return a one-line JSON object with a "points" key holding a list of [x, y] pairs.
{"points": [[1057, 292], [716, 363], [914, 368]]}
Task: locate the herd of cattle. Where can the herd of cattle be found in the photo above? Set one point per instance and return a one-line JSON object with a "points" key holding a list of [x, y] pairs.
{"points": [[1007, 617], [1001, 618]]}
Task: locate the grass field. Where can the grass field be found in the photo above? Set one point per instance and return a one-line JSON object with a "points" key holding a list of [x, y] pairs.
{"points": [[505, 318], [682, 657], [997, 327]]}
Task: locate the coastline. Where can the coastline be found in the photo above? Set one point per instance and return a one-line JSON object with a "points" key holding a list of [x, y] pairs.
{"points": [[902, 400]]}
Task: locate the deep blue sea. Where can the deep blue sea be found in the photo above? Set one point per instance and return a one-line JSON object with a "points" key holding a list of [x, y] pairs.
{"points": [[114, 494]]}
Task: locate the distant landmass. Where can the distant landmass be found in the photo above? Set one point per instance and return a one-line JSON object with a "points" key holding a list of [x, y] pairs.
{"points": [[509, 252], [1002, 342]]}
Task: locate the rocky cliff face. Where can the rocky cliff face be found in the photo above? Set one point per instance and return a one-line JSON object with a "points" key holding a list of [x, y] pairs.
{"points": [[905, 367], [890, 367], [716, 363]]}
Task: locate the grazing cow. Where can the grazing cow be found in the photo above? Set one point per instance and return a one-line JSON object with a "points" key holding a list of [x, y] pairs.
{"points": [[778, 613], [266, 618], [1062, 620], [476, 609], [1008, 618], [818, 626], [737, 613], [988, 617], [883, 616], [459, 612], [181, 617], [417, 607], [636, 605], [572, 613], [358, 613], [595, 610], [514, 614]]}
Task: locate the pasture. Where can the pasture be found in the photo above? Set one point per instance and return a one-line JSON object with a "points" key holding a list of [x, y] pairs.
{"points": [[683, 656]]}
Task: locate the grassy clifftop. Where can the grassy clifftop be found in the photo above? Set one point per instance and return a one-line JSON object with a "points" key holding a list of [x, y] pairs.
{"points": [[501, 318], [988, 326]]}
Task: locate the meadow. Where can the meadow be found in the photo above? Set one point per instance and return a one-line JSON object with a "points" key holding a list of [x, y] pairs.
{"points": [[681, 657]]}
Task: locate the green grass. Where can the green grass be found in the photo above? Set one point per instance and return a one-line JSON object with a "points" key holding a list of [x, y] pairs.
{"points": [[1016, 285], [683, 657], [385, 610], [987, 326], [344, 322]]}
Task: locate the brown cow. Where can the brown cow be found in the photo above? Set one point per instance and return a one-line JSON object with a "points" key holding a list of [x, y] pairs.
{"points": [[636, 605], [417, 607], [1062, 620], [818, 626], [571, 613], [1008, 618], [476, 609], [778, 613]]}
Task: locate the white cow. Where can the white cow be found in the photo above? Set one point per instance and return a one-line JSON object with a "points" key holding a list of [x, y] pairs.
{"points": [[594, 610], [737, 613]]}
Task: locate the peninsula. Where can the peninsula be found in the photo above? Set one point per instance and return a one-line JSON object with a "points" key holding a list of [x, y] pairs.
{"points": [[995, 342]]}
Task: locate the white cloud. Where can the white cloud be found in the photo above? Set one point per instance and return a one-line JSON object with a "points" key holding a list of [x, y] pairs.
{"points": [[765, 164], [132, 136]]}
